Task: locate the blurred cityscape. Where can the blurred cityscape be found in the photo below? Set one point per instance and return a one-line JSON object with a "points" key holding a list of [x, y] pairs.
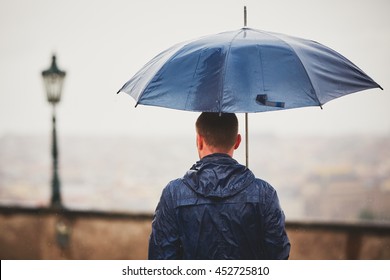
{"points": [[338, 178]]}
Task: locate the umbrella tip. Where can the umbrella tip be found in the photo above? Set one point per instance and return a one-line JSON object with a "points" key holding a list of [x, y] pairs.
{"points": [[245, 17]]}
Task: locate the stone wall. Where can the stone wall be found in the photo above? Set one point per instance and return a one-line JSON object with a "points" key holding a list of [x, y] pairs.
{"points": [[50, 234]]}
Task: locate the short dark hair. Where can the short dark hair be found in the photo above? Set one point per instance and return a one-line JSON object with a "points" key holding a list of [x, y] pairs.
{"points": [[218, 129]]}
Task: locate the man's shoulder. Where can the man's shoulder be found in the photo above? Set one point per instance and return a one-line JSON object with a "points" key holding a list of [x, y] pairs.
{"points": [[175, 183], [262, 186], [176, 187], [179, 193], [263, 183]]}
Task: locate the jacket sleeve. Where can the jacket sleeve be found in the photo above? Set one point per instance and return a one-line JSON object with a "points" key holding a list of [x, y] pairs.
{"points": [[164, 240], [276, 242]]}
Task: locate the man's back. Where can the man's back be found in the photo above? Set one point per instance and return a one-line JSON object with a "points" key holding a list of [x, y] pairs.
{"points": [[218, 210]]}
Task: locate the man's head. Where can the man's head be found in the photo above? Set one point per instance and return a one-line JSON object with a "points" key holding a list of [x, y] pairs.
{"points": [[217, 133]]}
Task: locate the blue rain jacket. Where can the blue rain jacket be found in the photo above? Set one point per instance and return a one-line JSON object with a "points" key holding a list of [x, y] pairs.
{"points": [[218, 210]]}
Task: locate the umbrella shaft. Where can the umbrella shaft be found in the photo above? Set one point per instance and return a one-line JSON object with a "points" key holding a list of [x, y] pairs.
{"points": [[246, 141]]}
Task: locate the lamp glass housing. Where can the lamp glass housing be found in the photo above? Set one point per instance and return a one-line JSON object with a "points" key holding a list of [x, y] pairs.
{"points": [[53, 79]]}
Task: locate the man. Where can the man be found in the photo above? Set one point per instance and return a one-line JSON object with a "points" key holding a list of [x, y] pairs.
{"points": [[218, 210]]}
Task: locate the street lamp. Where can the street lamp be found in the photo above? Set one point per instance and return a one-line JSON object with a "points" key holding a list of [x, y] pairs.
{"points": [[53, 79]]}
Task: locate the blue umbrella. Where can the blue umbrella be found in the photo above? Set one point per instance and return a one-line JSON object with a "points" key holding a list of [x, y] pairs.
{"points": [[244, 71]]}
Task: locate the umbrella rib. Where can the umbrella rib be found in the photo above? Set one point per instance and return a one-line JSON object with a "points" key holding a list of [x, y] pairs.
{"points": [[225, 69], [193, 77], [175, 50], [261, 66]]}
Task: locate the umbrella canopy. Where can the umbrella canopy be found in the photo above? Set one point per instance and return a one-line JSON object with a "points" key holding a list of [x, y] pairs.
{"points": [[246, 70]]}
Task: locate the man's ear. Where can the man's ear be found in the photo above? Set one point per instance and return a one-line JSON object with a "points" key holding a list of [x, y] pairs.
{"points": [[199, 142], [238, 142]]}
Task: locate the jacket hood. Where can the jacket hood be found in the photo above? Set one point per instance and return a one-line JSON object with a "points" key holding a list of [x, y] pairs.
{"points": [[218, 175]]}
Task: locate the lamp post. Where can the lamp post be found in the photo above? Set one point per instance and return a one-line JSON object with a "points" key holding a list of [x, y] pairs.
{"points": [[53, 79]]}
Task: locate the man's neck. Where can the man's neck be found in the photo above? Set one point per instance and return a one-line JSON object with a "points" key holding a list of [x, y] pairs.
{"points": [[209, 151]]}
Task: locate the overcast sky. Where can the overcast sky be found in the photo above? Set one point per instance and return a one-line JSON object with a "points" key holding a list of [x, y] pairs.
{"points": [[101, 44]]}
